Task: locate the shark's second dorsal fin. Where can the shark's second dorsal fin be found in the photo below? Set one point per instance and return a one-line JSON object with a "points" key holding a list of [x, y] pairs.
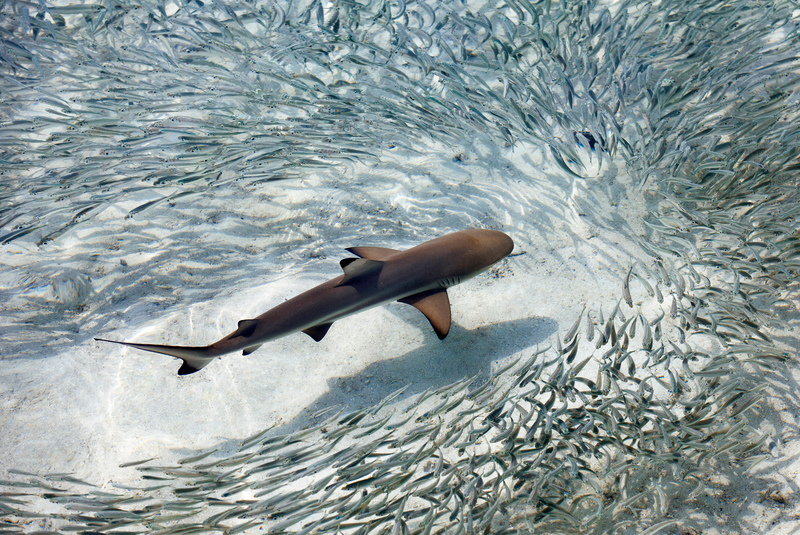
{"points": [[373, 253], [244, 328], [436, 306], [355, 268]]}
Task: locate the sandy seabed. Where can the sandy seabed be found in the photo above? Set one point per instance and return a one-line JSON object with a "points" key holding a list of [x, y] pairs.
{"points": [[176, 265]]}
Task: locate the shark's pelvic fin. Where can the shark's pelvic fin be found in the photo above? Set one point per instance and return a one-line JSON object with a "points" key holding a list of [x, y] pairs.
{"points": [[355, 268], [373, 253], [436, 306], [194, 358], [318, 332]]}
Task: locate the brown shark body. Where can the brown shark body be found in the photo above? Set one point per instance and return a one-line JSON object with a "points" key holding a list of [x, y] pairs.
{"points": [[418, 276]]}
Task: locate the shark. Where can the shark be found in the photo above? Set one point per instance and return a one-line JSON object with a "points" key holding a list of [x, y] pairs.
{"points": [[419, 276]]}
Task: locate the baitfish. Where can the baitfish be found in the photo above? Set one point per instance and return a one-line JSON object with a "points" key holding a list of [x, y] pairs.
{"points": [[418, 276]]}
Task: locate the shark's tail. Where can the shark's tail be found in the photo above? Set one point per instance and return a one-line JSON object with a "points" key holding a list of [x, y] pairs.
{"points": [[194, 358]]}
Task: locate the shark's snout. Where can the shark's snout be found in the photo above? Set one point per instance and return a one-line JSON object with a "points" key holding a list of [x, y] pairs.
{"points": [[492, 244], [503, 243]]}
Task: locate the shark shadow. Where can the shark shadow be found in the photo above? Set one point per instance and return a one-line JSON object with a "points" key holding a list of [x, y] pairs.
{"points": [[466, 353]]}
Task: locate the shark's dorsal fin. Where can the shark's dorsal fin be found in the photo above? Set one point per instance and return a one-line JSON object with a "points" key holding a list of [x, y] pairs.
{"points": [[318, 332], [373, 253], [344, 262], [355, 268], [436, 306]]}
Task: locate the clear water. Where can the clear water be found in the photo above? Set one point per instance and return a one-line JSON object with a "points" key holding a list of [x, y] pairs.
{"points": [[169, 168]]}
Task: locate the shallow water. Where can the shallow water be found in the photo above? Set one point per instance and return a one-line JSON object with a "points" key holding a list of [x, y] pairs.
{"points": [[170, 168]]}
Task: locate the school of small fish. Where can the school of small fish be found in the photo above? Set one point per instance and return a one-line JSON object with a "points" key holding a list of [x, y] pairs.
{"points": [[597, 433]]}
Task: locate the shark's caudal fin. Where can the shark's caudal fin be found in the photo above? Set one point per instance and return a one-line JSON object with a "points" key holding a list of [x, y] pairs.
{"points": [[194, 358]]}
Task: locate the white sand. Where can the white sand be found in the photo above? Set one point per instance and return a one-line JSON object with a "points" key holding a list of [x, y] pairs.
{"points": [[186, 275]]}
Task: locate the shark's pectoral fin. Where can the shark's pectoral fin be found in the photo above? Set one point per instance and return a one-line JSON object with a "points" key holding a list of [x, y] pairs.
{"points": [[436, 306], [355, 268], [318, 332], [373, 253], [250, 349]]}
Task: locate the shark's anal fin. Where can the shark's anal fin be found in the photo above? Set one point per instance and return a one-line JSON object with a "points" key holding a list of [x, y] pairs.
{"points": [[436, 306], [318, 332], [187, 368], [373, 253], [355, 268], [250, 349]]}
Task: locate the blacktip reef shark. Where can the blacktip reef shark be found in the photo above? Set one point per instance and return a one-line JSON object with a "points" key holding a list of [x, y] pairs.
{"points": [[418, 276]]}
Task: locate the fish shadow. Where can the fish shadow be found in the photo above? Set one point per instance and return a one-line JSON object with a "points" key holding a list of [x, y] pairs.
{"points": [[464, 353]]}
